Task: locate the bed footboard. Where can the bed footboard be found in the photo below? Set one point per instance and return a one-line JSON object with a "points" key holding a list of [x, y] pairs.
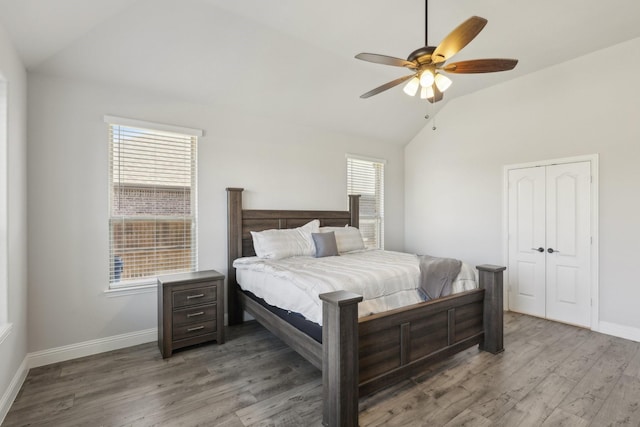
{"points": [[361, 356]]}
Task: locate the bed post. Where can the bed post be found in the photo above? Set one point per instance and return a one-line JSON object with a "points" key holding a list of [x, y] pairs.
{"points": [[491, 282], [340, 358], [354, 210], [234, 249]]}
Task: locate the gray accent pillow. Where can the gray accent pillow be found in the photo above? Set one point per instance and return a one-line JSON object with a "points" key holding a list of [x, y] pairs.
{"points": [[325, 244]]}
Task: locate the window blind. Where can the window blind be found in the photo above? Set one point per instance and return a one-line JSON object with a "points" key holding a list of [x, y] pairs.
{"points": [[152, 224], [366, 177]]}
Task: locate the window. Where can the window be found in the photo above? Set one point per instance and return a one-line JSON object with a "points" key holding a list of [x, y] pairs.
{"points": [[366, 177], [152, 201]]}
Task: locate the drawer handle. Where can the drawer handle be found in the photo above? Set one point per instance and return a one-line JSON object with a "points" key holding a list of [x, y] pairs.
{"points": [[195, 296], [200, 313], [197, 328]]}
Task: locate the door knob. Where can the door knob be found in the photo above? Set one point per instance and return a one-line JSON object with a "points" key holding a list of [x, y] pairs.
{"points": [[551, 250], [538, 249]]}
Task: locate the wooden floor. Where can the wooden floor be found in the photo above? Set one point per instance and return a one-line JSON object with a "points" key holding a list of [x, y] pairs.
{"points": [[550, 375]]}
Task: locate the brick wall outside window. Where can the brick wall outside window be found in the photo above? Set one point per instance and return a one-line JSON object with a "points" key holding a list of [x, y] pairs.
{"points": [[138, 242]]}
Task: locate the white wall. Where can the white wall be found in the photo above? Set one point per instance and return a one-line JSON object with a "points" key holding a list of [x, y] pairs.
{"points": [[279, 164], [453, 179], [14, 188]]}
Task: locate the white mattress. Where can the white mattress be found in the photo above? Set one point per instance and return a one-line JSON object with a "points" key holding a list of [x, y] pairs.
{"points": [[386, 279]]}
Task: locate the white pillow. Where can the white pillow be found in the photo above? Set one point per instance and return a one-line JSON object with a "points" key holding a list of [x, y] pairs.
{"points": [[348, 238], [277, 244]]}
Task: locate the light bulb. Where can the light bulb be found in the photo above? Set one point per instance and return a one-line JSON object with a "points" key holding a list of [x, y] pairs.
{"points": [[411, 88], [426, 79], [430, 93], [442, 82]]}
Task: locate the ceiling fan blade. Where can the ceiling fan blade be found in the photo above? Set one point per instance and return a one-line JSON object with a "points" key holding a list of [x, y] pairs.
{"points": [[458, 38], [438, 96], [481, 66], [386, 86], [386, 60]]}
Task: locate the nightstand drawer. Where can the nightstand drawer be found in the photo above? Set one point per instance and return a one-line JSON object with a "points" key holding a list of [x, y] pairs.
{"points": [[194, 296], [194, 329], [195, 314]]}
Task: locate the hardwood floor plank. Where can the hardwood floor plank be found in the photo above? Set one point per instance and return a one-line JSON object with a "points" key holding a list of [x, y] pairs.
{"points": [[49, 409], [560, 418], [586, 399], [456, 370], [576, 366], [633, 369], [621, 408], [304, 401], [219, 411], [538, 404], [493, 406], [405, 407], [468, 418], [115, 378], [206, 396]]}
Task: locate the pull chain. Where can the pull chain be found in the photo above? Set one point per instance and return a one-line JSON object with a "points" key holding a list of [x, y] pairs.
{"points": [[432, 116], [433, 107]]}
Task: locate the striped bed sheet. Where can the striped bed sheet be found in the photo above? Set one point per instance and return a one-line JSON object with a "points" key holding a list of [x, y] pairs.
{"points": [[386, 279]]}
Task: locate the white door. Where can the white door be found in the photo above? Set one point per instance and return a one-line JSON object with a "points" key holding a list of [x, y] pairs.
{"points": [[527, 241], [569, 243], [549, 242]]}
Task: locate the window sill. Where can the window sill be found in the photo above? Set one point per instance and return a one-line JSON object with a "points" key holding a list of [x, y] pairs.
{"points": [[131, 290], [5, 331]]}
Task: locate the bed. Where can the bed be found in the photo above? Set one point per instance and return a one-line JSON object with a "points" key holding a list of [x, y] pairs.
{"points": [[360, 355]]}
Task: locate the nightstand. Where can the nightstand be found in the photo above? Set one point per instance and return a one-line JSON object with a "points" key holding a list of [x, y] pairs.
{"points": [[190, 310]]}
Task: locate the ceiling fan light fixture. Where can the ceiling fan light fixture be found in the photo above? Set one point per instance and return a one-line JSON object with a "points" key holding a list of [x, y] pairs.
{"points": [[442, 82], [411, 88], [427, 61], [426, 78]]}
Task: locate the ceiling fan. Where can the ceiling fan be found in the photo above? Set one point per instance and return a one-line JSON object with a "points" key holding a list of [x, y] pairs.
{"points": [[428, 63]]}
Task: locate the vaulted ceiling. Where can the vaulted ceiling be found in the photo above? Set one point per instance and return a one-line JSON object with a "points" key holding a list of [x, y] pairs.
{"points": [[294, 59]]}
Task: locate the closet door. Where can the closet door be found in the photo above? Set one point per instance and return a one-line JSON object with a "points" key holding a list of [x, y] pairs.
{"points": [[527, 245], [568, 261], [550, 242]]}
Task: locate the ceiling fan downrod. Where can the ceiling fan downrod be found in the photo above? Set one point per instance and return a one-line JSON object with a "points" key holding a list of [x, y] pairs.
{"points": [[426, 22]]}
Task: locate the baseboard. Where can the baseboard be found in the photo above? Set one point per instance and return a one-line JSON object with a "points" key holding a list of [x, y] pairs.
{"points": [[620, 331], [12, 391], [88, 348]]}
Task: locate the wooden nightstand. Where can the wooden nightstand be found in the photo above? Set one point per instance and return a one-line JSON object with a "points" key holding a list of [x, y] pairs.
{"points": [[190, 310]]}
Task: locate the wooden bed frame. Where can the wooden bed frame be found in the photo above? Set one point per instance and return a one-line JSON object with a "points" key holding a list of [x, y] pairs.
{"points": [[361, 355]]}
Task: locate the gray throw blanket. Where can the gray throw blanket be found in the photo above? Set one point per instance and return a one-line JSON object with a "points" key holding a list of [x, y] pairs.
{"points": [[436, 276]]}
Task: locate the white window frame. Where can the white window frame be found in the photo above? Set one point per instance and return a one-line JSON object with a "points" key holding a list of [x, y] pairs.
{"points": [[379, 194], [150, 283], [5, 326]]}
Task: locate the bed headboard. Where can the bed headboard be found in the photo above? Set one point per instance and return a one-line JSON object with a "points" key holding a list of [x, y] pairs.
{"points": [[240, 222]]}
